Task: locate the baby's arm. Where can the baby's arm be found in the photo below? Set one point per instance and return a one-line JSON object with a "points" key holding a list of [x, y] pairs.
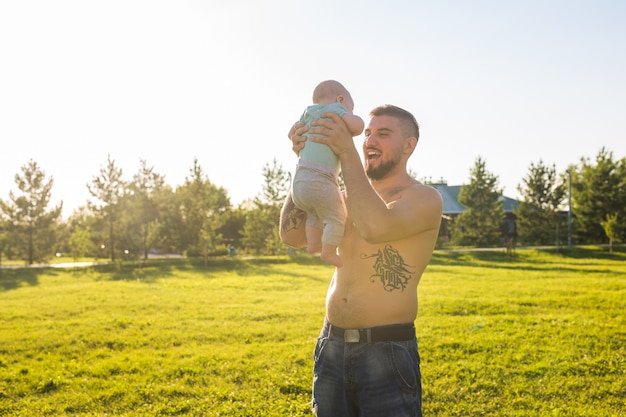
{"points": [[354, 122]]}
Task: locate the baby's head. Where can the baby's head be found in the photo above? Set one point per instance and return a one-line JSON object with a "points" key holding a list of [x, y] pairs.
{"points": [[331, 91]]}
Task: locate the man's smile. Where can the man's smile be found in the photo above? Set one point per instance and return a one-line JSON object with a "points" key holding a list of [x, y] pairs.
{"points": [[372, 154]]}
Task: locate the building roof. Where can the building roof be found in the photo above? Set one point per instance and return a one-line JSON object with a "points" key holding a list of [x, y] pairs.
{"points": [[451, 205]]}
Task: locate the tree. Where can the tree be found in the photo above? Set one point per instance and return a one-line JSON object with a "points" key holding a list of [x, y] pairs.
{"points": [[276, 183], [142, 229], [29, 222], [202, 205], [542, 194], [599, 190], [4, 240], [108, 188], [79, 243], [479, 224], [610, 226], [84, 219], [260, 232], [170, 220], [234, 221], [209, 236]]}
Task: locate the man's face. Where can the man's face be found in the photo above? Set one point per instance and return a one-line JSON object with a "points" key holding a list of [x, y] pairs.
{"points": [[382, 147]]}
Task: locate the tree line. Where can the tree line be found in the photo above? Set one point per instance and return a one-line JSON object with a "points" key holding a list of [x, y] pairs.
{"points": [[132, 218], [585, 204]]}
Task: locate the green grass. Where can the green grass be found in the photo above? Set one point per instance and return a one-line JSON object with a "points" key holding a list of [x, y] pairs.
{"points": [[540, 334], [536, 334]]}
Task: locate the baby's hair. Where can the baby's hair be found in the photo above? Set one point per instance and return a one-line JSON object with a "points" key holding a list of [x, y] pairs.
{"points": [[328, 90]]}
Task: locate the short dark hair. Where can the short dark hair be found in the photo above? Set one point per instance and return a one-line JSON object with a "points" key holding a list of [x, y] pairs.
{"points": [[409, 124]]}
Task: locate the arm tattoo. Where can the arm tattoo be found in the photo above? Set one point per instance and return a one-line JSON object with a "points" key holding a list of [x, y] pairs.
{"points": [[390, 269], [293, 218]]}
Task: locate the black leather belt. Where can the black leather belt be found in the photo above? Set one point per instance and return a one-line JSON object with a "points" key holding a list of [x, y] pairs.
{"points": [[392, 333]]}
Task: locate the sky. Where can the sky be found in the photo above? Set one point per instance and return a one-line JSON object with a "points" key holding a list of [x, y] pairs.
{"points": [[511, 82]]}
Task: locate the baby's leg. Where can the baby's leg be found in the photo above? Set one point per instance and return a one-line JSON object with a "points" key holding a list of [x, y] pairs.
{"points": [[313, 239], [329, 254]]}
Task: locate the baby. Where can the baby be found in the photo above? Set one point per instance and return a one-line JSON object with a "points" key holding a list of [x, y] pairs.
{"points": [[315, 188]]}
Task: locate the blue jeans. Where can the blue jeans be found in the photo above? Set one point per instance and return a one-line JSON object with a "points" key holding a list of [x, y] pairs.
{"points": [[366, 379]]}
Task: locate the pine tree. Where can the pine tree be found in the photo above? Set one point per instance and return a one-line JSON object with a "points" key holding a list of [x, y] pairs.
{"points": [[202, 204], [109, 189], [142, 222], [599, 190], [261, 232], [29, 223], [479, 224], [542, 194]]}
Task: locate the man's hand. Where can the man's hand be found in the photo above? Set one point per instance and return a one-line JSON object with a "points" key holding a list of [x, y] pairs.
{"points": [[335, 133], [295, 135]]}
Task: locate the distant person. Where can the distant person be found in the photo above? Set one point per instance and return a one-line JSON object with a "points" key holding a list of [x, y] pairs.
{"points": [[366, 358], [315, 188]]}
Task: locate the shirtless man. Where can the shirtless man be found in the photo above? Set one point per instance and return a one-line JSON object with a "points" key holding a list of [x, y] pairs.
{"points": [[366, 358]]}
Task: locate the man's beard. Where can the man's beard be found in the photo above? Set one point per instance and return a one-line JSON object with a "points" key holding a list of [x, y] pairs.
{"points": [[381, 171]]}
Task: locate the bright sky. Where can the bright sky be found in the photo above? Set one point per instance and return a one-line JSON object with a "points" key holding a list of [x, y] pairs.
{"points": [[513, 82]]}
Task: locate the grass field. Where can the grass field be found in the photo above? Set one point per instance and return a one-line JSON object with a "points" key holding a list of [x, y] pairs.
{"points": [[536, 334]]}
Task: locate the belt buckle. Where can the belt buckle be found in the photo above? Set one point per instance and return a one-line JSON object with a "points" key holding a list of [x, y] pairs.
{"points": [[351, 336]]}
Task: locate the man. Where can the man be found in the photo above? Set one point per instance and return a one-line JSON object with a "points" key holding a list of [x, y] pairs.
{"points": [[366, 358]]}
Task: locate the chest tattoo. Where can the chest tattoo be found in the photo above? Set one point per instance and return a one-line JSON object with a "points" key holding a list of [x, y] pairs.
{"points": [[390, 269]]}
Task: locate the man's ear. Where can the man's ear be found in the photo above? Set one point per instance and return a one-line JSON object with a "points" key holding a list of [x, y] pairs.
{"points": [[410, 145]]}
